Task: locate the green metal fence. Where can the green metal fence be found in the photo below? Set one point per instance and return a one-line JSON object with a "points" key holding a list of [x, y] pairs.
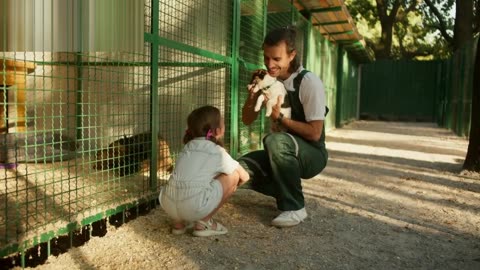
{"points": [[435, 91], [76, 122], [89, 135], [399, 90], [253, 26], [322, 59], [348, 99], [454, 98]]}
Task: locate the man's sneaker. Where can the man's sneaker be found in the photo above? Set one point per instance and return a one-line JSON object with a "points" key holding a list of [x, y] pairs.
{"points": [[290, 218]]}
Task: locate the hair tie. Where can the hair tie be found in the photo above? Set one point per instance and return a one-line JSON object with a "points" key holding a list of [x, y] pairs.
{"points": [[209, 134], [188, 132]]}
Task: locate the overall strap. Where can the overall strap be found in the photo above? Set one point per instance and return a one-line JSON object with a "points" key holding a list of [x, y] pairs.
{"points": [[298, 113], [294, 98], [298, 80]]}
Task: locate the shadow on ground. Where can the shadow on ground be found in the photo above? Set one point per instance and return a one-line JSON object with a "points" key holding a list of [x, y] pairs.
{"points": [[370, 209]]}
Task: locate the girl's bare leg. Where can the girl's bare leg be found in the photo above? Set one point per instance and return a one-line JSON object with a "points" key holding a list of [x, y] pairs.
{"points": [[178, 224], [229, 184]]}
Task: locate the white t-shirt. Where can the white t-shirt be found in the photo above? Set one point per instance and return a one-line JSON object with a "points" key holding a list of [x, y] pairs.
{"points": [[312, 94], [202, 160]]}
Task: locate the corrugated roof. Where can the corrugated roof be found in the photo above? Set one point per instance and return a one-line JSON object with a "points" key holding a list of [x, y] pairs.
{"points": [[332, 19]]}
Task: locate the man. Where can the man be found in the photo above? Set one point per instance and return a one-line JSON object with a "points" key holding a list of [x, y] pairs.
{"points": [[300, 152]]}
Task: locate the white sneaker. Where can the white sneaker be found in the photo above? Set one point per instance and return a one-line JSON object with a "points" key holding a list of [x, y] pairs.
{"points": [[290, 218]]}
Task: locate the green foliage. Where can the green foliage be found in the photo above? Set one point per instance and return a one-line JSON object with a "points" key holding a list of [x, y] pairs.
{"points": [[363, 10], [446, 9], [416, 33]]}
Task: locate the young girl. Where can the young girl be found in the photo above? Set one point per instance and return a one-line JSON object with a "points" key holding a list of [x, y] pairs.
{"points": [[205, 176]]}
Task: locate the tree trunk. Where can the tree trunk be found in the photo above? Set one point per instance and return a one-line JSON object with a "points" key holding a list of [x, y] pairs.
{"points": [[476, 18], [463, 29], [386, 39], [472, 161], [384, 50]]}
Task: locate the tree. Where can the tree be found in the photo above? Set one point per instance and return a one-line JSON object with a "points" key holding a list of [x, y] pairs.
{"points": [[387, 13], [395, 15], [411, 34], [472, 160], [463, 30], [435, 18], [466, 27], [388, 21], [407, 28], [476, 20]]}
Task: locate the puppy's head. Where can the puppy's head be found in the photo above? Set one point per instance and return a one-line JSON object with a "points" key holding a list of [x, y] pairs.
{"points": [[258, 75]]}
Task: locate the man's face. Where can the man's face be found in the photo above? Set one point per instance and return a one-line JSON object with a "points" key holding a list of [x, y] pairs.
{"points": [[277, 60]]}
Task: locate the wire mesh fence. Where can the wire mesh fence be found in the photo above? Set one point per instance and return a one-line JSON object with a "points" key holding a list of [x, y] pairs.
{"points": [[75, 135], [89, 133]]}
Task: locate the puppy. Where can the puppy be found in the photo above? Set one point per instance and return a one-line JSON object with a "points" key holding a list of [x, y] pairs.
{"points": [[271, 89]]}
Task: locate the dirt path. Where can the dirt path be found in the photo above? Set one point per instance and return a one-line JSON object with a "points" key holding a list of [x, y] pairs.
{"points": [[391, 197]]}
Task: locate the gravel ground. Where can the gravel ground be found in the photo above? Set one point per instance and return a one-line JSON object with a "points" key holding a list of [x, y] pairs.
{"points": [[393, 196]]}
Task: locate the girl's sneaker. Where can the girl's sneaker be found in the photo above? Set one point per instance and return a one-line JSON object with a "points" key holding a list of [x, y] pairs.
{"points": [[208, 228]]}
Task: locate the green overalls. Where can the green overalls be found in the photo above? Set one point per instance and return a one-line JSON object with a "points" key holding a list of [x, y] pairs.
{"points": [[277, 170]]}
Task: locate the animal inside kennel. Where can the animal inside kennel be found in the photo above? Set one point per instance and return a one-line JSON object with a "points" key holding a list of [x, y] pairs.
{"points": [[94, 97]]}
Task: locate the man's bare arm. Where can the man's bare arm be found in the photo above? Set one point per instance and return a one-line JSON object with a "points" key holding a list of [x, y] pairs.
{"points": [[311, 131]]}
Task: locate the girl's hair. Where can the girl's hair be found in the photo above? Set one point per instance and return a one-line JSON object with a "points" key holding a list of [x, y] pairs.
{"points": [[202, 122], [288, 35]]}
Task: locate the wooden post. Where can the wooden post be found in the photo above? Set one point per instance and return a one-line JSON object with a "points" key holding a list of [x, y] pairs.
{"points": [[14, 73]]}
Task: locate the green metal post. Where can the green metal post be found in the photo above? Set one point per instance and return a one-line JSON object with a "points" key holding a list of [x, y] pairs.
{"points": [[292, 13], [78, 111], [234, 79], [438, 113], [306, 45], [79, 65], [22, 259], [461, 102], [154, 93], [265, 18], [338, 102]]}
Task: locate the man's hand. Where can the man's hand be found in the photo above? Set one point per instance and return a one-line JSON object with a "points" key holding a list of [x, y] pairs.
{"points": [[251, 92], [276, 109]]}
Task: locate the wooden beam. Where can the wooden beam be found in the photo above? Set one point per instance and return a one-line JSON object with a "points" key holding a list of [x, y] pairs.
{"points": [[349, 32], [329, 9], [331, 23]]}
